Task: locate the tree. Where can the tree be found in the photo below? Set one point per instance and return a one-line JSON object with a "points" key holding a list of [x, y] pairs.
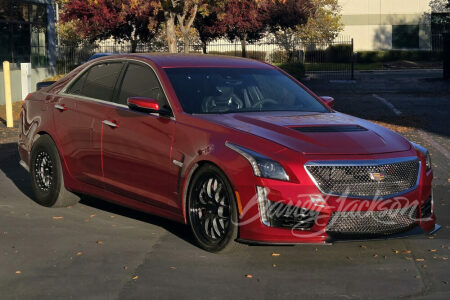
{"points": [[130, 20], [440, 15], [245, 20], [183, 13], [324, 24], [209, 25], [284, 17]]}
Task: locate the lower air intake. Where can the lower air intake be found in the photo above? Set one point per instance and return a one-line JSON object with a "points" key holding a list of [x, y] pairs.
{"points": [[372, 223]]}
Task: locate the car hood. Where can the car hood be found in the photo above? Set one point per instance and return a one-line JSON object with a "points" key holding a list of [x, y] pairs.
{"points": [[315, 133]]}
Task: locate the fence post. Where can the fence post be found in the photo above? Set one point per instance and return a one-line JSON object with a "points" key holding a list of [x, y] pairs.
{"points": [[353, 62], [25, 79], [8, 101], [447, 56]]}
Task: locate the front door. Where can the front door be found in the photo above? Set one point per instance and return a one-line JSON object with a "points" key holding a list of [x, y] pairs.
{"points": [[78, 113], [137, 145]]}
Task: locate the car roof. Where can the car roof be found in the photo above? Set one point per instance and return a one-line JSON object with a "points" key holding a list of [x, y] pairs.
{"points": [[166, 60]]}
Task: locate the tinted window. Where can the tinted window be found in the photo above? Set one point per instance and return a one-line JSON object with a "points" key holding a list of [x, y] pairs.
{"points": [[77, 86], [100, 81], [405, 36], [224, 90], [140, 81]]}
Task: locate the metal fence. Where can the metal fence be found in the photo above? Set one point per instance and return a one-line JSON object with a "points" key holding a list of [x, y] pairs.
{"points": [[333, 60]]}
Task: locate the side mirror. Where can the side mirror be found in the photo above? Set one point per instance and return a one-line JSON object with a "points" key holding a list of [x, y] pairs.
{"points": [[44, 84], [328, 100], [147, 105]]}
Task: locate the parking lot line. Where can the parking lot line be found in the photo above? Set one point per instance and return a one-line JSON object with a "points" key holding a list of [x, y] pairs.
{"points": [[388, 104]]}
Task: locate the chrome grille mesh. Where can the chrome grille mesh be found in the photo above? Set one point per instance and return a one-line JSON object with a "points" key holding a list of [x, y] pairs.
{"points": [[360, 180], [385, 222]]}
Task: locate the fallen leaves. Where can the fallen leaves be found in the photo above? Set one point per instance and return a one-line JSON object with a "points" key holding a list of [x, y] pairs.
{"points": [[58, 218], [420, 259], [395, 251]]}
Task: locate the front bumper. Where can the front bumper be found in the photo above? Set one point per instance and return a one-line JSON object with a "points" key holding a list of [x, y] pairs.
{"points": [[307, 196]]}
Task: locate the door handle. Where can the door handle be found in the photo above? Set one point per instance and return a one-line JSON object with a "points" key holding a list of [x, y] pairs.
{"points": [[61, 107], [110, 124]]}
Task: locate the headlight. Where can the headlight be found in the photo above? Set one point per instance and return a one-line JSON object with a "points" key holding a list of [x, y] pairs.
{"points": [[425, 152], [262, 165]]}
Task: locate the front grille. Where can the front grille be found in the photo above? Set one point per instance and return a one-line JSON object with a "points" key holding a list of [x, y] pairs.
{"points": [[365, 178], [287, 216], [372, 223]]}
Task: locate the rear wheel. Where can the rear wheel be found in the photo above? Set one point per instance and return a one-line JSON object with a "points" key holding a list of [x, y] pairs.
{"points": [[212, 210], [47, 179]]}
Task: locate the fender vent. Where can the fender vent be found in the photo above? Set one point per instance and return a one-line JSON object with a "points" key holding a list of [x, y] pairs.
{"points": [[333, 128]]}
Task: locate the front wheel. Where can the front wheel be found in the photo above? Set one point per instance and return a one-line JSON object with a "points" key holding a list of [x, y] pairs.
{"points": [[47, 179], [212, 210]]}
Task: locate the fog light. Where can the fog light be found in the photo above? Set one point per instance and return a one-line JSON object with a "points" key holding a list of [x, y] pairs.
{"points": [[263, 204]]}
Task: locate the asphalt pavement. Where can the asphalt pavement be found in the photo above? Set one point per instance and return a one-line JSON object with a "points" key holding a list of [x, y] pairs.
{"points": [[97, 250]]}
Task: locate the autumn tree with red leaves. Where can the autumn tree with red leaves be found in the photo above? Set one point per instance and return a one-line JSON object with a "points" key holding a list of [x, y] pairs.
{"points": [[130, 20]]}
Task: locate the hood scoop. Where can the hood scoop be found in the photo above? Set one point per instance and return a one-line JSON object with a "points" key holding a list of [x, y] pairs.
{"points": [[329, 128]]}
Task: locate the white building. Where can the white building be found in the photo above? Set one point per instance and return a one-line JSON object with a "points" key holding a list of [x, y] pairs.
{"points": [[392, 24]]}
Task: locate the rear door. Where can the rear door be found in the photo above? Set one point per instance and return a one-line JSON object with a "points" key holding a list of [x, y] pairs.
{"points": [[137, 145], [79, 112]]}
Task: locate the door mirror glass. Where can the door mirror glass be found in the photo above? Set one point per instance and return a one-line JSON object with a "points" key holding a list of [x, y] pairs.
{"points": [[328, 100]]}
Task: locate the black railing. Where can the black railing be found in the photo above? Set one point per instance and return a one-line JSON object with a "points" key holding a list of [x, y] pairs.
{"points": [[329, 60]]}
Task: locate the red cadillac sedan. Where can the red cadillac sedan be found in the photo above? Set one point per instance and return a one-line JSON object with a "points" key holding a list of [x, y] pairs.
{"points": [[236, 149]]}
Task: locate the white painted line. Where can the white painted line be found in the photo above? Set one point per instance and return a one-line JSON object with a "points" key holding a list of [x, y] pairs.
{"points": [[388, 104], [436, 145], [422, 133]]}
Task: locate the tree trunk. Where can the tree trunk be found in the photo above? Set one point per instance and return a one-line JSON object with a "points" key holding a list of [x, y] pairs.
{"points": [[186, 42], [170, 32], [204, 47], [133, 45], [244, 44]]}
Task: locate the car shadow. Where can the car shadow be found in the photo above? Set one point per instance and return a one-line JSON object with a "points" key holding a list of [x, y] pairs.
{"points": [[9, 165]]}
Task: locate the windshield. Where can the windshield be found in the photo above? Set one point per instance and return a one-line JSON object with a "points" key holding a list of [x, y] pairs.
{"points": [[231, 90]]}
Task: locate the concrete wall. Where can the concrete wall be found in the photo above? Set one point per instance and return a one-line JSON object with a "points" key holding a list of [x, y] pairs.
{"points": [[370, 22], [37, 75]]}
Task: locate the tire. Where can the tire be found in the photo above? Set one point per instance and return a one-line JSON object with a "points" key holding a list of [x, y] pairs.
{"points": [[212, 211], [47, 179]]}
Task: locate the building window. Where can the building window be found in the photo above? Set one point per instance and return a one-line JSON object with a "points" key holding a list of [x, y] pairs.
{"points": [[23, 32], [405, 36]]}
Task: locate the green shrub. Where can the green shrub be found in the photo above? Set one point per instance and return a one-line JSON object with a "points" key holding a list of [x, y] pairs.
{"points": [[296, 69], [258, 55], [339, 53], [394, 55]]}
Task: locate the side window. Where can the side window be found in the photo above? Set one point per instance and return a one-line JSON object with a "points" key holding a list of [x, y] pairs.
{"points": [[77, 86], [98, 82], [140, 81]]}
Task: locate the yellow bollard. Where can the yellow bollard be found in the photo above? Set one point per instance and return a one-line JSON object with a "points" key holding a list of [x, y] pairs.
{"points": [[8, 101]]}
